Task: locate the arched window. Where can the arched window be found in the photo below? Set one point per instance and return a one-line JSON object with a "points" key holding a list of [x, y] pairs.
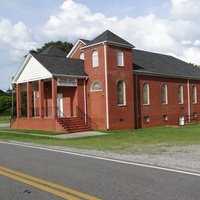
{"points": [[121, 93], [164, 98], [82, 57], [95, 59], [194, 94], [145, 93], [96, 86], [120, 58], [180, 94]]}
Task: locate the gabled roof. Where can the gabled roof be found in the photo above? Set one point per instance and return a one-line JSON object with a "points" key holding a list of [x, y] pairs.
{"points": [[51, 62], [85, 41], [110, 38], [163, 65], [76, 46], [56, 63]]}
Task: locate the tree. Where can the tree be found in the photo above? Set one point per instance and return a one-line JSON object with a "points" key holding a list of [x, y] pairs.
{"points": [[2, 92], [5, 103], [64, 46]]}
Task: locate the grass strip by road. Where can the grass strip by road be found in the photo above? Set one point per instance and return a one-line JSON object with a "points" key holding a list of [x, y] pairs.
{"points": [[37, 132], [4, 119], [120, 141], [61, 191]]}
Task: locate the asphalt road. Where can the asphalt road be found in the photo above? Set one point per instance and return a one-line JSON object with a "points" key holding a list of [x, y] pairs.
{"points": [[103, 179]]}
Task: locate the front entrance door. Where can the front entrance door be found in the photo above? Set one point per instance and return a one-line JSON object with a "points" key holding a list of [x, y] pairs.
{"points": [[60, 104]]}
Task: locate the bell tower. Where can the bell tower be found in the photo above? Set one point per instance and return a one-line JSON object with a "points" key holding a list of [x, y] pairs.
{"points": [[108, 63]]}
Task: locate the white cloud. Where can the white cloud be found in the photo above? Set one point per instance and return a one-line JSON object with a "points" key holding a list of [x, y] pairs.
{"points": [[177, 35], [191, 55], [75, 20], [15, 39], [186, 9], [197, 42], [147, 32]]}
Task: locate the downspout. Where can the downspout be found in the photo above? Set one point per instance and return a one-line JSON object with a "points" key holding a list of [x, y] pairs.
{"points": [[85, 101], [106, 86], [188, 91], [136, 100]]}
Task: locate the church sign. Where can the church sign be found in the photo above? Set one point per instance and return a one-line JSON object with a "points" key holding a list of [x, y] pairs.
{"points": [[67, 82]]}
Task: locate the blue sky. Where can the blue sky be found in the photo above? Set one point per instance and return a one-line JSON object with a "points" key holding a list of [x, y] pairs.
{"points": [[164, 26]]}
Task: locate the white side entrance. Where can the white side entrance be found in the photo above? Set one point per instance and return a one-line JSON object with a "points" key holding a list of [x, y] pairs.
{"points": [[60, 104]]}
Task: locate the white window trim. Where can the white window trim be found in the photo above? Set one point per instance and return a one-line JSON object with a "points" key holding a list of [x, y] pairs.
{"points": [[95, 64], [124, 85], [146, 119], [91, 90], [166, 94], [195, 93], [148, 95], [182, 99], [82, 56], [122, 54]]}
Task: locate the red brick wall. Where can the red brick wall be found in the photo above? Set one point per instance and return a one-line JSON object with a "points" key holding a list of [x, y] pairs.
{"points": [[96, 102], [195, 107], [48, 124], [173, 109], [69, 100], [80, 94], [78, 51], [120, 117]]}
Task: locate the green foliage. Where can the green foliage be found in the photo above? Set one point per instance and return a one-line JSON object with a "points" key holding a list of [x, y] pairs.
{"points": [[4, 119], [64, 46], [2, 92], [5, 103]]}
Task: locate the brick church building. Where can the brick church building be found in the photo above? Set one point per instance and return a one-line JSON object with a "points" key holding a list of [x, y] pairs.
{"points": [[104, 84]]}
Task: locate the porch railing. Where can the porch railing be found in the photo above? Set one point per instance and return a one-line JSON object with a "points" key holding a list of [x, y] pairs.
{"points": [[83, 116], [47, 112], [59, 119]]}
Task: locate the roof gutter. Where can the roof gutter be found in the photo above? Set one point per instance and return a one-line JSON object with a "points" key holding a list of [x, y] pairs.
{"points": [[164, 75], [106, 86], [109, 42], [70, 76], [188, 92], [26, 60]]}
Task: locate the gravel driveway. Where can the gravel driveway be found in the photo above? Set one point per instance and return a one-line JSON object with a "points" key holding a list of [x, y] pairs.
{"points": [[183, 158]]}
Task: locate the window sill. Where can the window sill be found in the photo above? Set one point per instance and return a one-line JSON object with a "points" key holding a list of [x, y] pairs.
{"points": [[146, 104], [95, 90], [121, 105]]}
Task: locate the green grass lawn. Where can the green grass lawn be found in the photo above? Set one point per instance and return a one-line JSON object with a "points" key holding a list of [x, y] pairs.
{"points": [[37, 132], [4, 119], [150, 139]]}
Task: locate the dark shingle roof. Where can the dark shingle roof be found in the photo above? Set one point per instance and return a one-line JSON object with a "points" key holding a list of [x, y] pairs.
{"points": [[53, 51], [85, 41], [160, 64], [111, 38], [58, 64]]}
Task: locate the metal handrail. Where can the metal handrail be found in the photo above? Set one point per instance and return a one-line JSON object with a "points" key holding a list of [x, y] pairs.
{"points": [[66, 117], [83, 116], [58, 110]]}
